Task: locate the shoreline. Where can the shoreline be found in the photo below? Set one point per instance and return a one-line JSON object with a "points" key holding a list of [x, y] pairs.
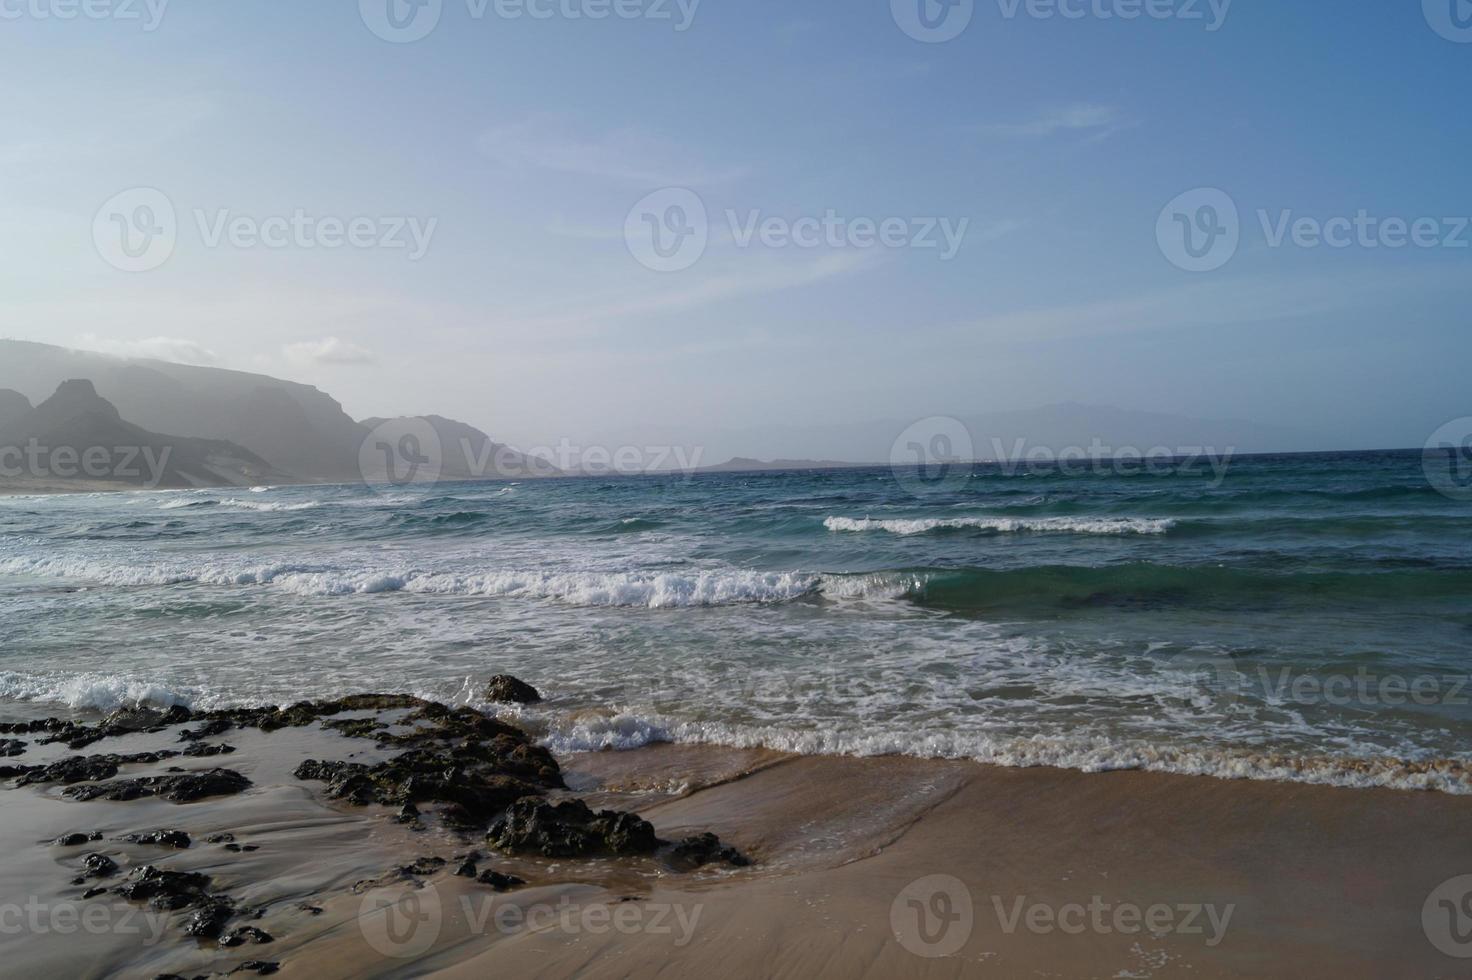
{"points": [[845, 856]]}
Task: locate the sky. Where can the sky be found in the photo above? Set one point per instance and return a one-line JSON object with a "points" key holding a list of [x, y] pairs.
{"points": [[756, 214]]}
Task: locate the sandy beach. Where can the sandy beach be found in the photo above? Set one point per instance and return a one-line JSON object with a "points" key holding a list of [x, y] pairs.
{"points": [[858, 867]]}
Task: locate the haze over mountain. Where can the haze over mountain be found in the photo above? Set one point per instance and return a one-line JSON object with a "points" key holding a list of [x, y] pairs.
{"points": [[77, 435], [302, 433], [299, 433]]}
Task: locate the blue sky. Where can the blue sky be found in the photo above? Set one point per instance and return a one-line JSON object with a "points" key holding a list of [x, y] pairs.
{"points": [[527, 141]]}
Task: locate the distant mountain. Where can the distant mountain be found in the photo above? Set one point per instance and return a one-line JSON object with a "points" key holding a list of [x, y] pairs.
{"points": [[12, 406], [302, 433], [297, 428], [78, 435], [466, 453]]}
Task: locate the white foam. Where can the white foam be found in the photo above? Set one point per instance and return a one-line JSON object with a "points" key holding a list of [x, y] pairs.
{"points": [[1005, 525], [625, 730], [100, 692]]}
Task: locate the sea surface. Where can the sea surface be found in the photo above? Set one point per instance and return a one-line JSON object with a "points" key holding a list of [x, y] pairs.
{"points": [[1294, 617]]}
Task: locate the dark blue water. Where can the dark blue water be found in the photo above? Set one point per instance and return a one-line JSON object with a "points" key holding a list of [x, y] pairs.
{"points": [[1301, 617]]}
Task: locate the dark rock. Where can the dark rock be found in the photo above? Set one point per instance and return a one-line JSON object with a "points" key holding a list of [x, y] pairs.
{"points": [[212, 727], [208, 919], [76, 839], [499, 881], [12, 747], [183, 787], [246, 934], [165, 890], [98, 866], [424, 866], [262, 968], [94, 892], [466, 870], [693, 852], [204, 749], [505, 689], [124, 721], [221, 838], [237, 848], [408, 813], [356, 727], [309, 908], [176, 839], [570, 829], [88, 768]]}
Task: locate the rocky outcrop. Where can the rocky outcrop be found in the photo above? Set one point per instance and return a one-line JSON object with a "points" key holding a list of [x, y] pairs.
{"points": [[505, 689], [570, 829]]}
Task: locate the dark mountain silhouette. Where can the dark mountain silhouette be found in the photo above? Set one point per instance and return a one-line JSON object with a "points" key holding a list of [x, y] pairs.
{"points": [[12, 406], [78, 435], [296, 427]]}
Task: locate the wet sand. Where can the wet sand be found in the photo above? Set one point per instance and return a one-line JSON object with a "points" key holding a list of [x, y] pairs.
{"points": [[863, 868]]}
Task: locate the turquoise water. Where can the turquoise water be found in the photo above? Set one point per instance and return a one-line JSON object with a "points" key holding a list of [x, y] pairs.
{"points": [[1294, 617]]}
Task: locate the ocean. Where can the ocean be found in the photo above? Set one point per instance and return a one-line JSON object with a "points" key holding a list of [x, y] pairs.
{"points": [[1299, 618]]}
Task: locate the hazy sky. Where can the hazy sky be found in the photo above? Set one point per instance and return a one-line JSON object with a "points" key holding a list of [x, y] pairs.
{"points": [[516, 146]]}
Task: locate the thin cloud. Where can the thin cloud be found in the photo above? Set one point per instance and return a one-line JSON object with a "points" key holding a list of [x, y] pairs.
{"points": [[331, 351], [626, 156], [173, 349], [1096, 121]]}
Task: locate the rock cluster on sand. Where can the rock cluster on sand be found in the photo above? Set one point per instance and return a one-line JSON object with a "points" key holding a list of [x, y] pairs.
{"points": [[473, 773]]}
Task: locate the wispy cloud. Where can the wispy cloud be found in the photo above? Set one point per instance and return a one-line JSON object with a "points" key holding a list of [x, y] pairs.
{"points": [[627, 155], [1097, 122], [331, 351], [157, 348]]}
